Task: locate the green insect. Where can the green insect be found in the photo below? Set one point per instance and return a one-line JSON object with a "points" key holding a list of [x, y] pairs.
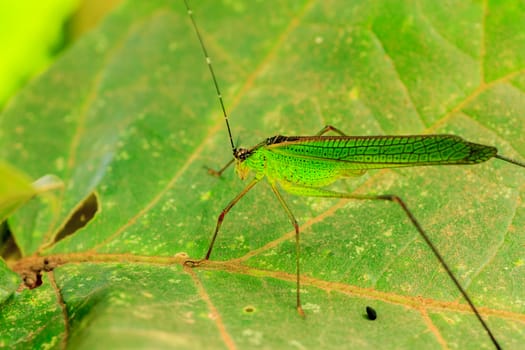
{"points": [[305, 165]]}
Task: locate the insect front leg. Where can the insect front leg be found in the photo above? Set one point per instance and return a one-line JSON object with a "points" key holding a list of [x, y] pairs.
{"points": [[223, 213], [219, 172], [297, 245]]}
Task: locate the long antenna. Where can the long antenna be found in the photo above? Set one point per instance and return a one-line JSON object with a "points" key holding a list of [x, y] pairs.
{"points": [[210, 67]]}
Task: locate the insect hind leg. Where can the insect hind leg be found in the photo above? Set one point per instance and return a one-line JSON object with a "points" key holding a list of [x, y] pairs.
{"points": [[319, 192], [297, 246]]}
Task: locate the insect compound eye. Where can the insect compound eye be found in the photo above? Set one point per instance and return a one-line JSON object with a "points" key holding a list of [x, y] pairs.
{"points": [[241, 153]]}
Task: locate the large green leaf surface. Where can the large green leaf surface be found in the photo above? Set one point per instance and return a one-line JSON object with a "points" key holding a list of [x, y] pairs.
{"points": [[128, 118]]}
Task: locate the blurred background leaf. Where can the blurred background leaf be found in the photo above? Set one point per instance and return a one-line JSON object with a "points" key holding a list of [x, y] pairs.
{"points": [[33, 33]]}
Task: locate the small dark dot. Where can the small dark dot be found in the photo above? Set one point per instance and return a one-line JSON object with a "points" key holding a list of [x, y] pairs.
{"points": [[371, 313], [249, 309]]}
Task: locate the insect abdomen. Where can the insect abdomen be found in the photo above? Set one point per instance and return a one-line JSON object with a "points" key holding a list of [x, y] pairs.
{"points": [[304, 171]]}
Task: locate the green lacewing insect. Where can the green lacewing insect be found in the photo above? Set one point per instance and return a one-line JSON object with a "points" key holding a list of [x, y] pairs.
{"points": [[306, 165]]}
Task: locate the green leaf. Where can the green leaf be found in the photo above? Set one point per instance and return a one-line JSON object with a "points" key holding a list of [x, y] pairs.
{"points": [[15, 189], [32, 319], [8, 281], [128, 118], [31, 32]]}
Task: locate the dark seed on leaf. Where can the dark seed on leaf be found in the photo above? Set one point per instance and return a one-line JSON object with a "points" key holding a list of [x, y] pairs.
{"points": [[371, 313]]}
